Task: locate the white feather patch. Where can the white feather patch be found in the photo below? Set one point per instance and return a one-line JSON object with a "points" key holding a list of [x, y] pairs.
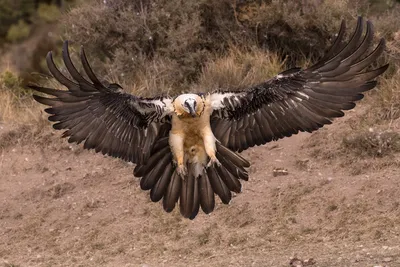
{"points": [[217, 99], [303, 94], [168, 108], [164, 105]]}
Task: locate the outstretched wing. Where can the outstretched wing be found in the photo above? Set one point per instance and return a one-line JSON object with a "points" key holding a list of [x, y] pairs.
{"points": [[299, 100], [104, 117]]}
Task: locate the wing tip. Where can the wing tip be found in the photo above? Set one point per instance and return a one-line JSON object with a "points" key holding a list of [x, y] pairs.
{"points": [[49, 58], [65, 45], [44, 100]]}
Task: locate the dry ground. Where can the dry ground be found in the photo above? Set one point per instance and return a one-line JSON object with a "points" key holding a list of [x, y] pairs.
{"points": [[65, 206]]}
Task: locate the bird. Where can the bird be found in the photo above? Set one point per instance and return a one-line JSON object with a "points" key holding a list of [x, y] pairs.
{"points": [[187, 147]]}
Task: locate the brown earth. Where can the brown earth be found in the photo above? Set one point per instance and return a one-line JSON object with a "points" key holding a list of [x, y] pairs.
{"points": [[65, 206]]}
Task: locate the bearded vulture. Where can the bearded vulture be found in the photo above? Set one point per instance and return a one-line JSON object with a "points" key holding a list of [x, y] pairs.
{"points": [[186, 148]]}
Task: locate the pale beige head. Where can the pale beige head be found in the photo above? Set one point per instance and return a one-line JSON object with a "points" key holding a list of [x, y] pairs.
{"points": [[188, 105]]}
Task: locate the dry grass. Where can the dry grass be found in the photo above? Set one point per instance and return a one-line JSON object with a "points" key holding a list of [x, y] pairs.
{"points": [[386, 104], [155, 77], [17, 105], [357, 148], [372, 143], [19, 110], [240, 69]]}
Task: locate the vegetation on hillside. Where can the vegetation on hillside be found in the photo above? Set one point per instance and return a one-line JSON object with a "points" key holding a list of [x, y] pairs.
{"points": [[173, 44], [19, 18], [25, 36], [160, 46]]}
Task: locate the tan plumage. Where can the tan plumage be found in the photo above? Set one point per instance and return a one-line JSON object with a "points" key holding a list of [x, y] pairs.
{"points": [[191, 138], [186, 148]]}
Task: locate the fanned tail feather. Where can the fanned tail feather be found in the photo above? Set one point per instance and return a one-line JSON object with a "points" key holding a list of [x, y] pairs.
{"points": [[196, 190]]}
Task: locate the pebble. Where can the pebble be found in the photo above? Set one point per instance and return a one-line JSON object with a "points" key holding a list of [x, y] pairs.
{"points": [[387, 259]]}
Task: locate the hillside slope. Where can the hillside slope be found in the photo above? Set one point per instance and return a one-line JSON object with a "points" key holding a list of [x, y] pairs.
{"points": [[65, 206]]}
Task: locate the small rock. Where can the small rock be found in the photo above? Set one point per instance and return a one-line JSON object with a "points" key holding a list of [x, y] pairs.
{"points": [[274, 146], [279, 172], [387, 259], [309, 262], [296, 262]]}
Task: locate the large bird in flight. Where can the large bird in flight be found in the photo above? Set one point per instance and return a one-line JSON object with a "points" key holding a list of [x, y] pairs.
{"points": [[186, 148]]}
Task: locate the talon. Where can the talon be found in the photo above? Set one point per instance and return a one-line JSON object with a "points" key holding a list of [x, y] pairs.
{"points": [[182, 171], [213, 161]]}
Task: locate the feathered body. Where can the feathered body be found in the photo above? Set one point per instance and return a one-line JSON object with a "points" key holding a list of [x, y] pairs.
{"points": [[186, 148], [198, 173], [189, 132]]}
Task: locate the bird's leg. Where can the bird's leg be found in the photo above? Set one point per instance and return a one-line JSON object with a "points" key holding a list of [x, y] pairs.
{"points": [[176, 142], [181, 170], [209, 145], [213, 161]]}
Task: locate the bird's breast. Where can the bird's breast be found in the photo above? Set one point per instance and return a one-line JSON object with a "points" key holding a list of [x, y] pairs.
{"points": [[192, 131]]}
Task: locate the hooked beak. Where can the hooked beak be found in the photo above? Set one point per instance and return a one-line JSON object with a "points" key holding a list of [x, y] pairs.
{"points": [[192, 112], [192, 108]]}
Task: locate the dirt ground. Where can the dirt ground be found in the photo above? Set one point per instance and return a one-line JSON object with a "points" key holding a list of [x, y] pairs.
{"points": [[65, 206]]}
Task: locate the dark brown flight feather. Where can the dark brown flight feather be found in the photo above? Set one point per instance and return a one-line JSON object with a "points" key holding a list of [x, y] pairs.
{"points": [[104, 118], [301, 100]]}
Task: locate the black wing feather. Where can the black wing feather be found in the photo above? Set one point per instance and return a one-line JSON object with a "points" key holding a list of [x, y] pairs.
{"points": [[299, 100], [104, 118]]}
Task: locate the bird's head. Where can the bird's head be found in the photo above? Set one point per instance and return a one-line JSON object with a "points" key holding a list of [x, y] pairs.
{"points": [[188, 105]]}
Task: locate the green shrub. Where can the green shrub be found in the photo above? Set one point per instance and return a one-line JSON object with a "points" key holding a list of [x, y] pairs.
{"points": [[48, 13], [372, 143], [11, 11], [12, 83], [18, 32], [9, 80], [382, 5], [177, 38]]}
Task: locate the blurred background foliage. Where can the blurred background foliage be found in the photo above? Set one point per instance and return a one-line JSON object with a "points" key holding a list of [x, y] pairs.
{"points": [[18, 17], [28, 29], [171, 41], [152, 46]]}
